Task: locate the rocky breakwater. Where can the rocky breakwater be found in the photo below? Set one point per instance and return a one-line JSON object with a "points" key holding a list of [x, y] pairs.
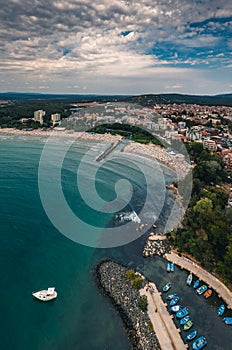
{"points": [[122, 287], [156, 245]]}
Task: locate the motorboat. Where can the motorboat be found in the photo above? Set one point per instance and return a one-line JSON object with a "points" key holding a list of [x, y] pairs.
{"points": [[201, 289], [174, 300], [170, 296], [228, 320], [168, 269], [208, 293], [167, 287], [46, 294], [175, 308], [196, 284], [185, 320], [188, 325], [172, 266], [221, 309], [191, 335], [182, 312], [189, 279], [199, 343]]}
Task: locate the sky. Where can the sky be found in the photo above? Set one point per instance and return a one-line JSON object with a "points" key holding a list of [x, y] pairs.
{"points": [[116, 47]]}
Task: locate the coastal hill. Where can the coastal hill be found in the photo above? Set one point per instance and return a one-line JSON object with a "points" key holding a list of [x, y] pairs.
{"points": [[145, 100]]}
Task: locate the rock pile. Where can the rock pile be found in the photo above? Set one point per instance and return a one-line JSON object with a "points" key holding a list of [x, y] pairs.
{"points": [[113, 281], [156, 245]]}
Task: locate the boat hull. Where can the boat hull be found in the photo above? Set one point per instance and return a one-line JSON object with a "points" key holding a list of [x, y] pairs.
{"points": [[42, 296], [200, 343]]}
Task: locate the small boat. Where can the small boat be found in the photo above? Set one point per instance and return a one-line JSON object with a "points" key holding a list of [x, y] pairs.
{"points": [[196, 284], [168, 269], [170, 296], [191, 335], [175, 308], [174, 300], [167, 287], [188, 325], [182, 312], [208, 293], [201, 289], [46, 294], [189, 279], [221, 310], [200, 343], [172, 266], [185, 320], [228, 320]]}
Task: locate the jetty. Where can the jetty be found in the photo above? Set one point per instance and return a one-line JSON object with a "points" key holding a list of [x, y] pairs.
{"points": [[213, 282], [167, 334], [108, 150]]}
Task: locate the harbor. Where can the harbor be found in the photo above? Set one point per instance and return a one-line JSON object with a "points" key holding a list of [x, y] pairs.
{"points": [[212, 282]]}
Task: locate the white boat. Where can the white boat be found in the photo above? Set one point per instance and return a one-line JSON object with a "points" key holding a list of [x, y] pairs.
{"points": [[189, 279], [46, 294]]}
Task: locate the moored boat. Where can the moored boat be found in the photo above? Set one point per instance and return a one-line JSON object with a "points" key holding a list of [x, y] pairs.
{"points": [[196, 284], [170, 296], [182, 312], [189, 279], [167, 287], [221, 310], [201, 289], [46, 294], [174, 300], [208, 293], [191, 335], [175, 308], [228, 320], [188, 325], [199, 343], [168, 268], [185, 320], [172, 267]]}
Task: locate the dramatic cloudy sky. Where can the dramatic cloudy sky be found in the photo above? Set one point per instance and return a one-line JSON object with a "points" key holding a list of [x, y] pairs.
{"points": [[113, 46]]}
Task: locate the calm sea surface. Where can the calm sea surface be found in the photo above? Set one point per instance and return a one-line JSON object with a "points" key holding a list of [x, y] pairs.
{"points": [[35, 255]]}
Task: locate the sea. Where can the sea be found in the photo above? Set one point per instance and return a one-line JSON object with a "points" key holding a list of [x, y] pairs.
{"points": [[35, 254]]}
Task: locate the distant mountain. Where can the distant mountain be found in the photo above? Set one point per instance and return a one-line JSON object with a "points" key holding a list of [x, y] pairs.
{"points": [[145, 100]]}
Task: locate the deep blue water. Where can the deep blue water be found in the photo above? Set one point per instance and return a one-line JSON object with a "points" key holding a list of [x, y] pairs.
{"points": [[35, 255]]}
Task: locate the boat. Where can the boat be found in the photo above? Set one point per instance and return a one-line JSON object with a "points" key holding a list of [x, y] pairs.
{"points": [[185, 320], [200, 343], [46, 294], [221, 310], [167, 287], [191, 335], [228, 320], [174, 300], [201, 289], [196, 284], [189, 279], [182, 312], [188, 325], [208, 293], [168, 267], [170, 296], [175, 308], [172, 266]]}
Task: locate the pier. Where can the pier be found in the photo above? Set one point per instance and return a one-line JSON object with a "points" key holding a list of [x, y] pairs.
{"points": [[107, 151], [214, 283], [167, 333]]}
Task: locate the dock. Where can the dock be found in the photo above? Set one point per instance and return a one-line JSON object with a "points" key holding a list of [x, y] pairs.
{"points": [[164, 327], [213, 282]]}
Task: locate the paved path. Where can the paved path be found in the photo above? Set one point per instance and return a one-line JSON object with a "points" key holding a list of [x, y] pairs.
{"points": [[203, 275], [164, 327]]}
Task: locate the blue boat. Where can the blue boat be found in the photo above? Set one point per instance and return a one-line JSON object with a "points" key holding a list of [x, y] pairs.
{"points": [[168, 267], [228, 320], [191, 335], [182, 312], [185, 320], [221, 310], [167, 287], [201, 289], [170, 296], [175, 308], [200, 343], [174, 300], [172, 266], [196, 284]]}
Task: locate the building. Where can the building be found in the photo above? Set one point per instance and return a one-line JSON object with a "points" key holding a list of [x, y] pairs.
{"points": [[55, 118], [38, 116], [210, 145]]}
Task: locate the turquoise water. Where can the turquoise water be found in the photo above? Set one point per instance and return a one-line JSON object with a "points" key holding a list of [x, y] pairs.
{"points": [[34, 255]]}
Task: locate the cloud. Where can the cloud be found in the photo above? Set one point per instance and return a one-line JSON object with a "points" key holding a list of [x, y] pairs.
{"points": [[82, 40]]}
